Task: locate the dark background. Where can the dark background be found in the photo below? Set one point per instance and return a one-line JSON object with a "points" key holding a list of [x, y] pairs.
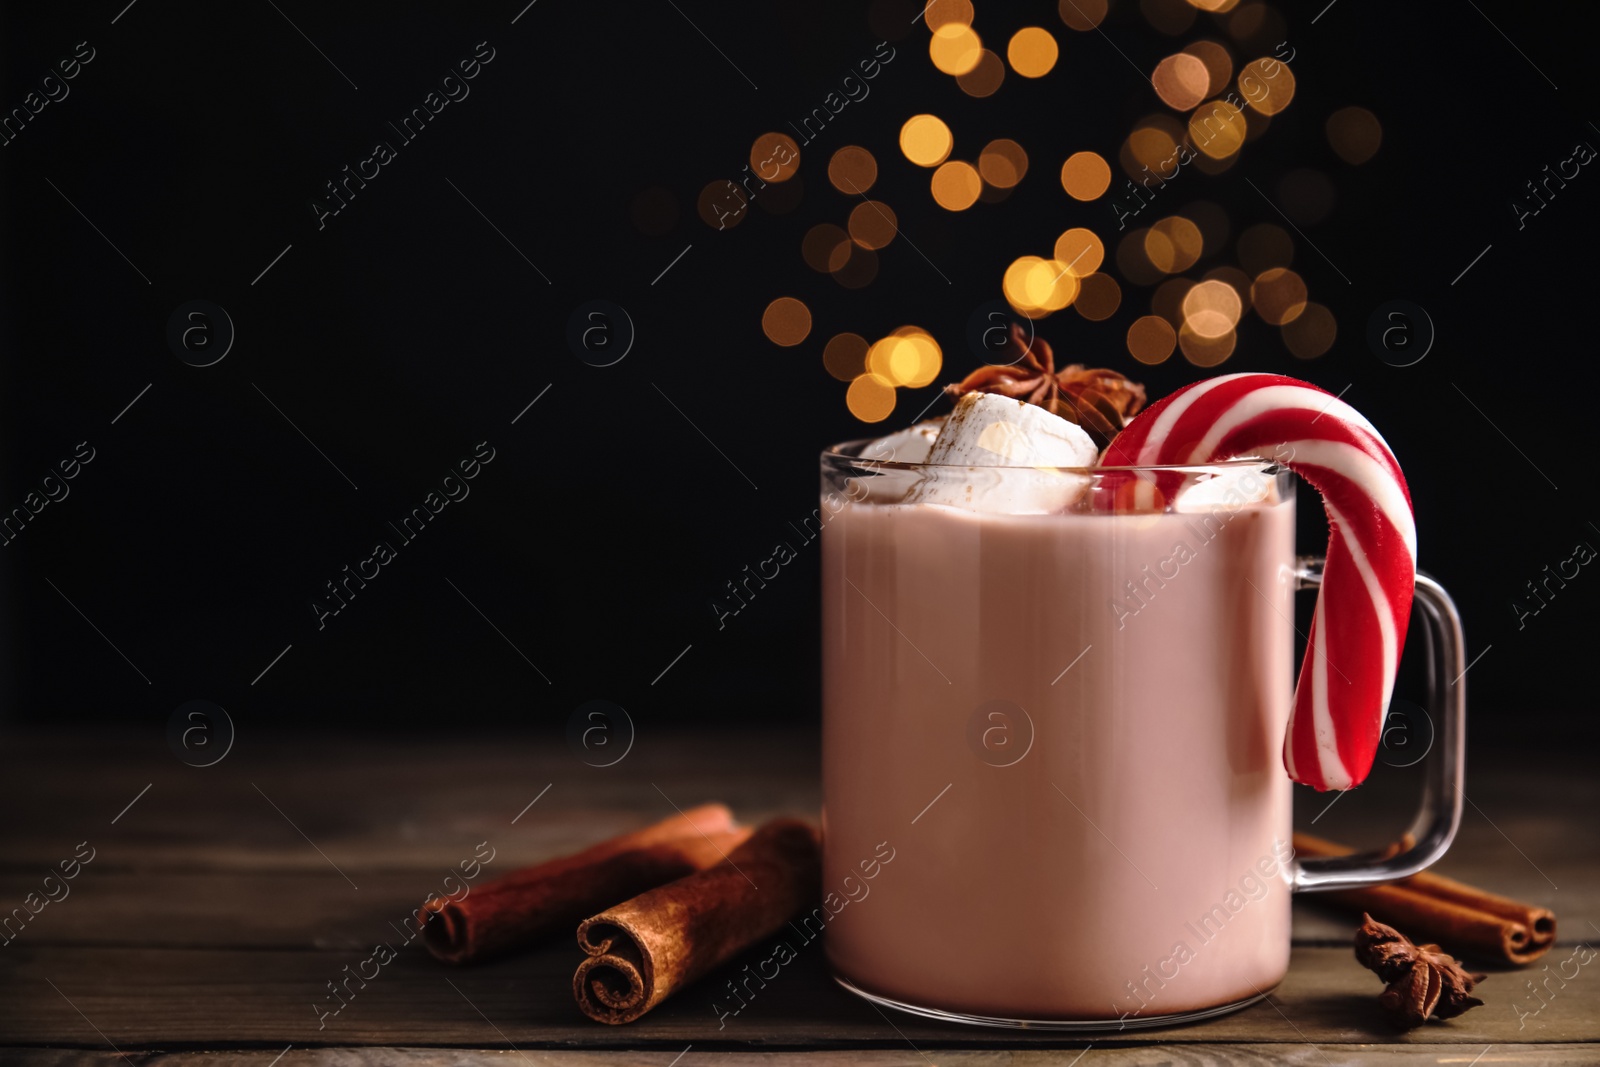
{"points": [[408, 330]]}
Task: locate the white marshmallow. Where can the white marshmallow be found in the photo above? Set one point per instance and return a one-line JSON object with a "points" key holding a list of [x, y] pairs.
{"points": [[910, 445], [991, 437], [1232, 488]]}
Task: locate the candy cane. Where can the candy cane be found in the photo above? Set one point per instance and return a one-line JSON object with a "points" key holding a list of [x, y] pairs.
{"points": [[1364, 605]]}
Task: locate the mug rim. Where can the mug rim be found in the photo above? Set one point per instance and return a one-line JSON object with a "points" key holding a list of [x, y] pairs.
{"points": [[836, 455]]}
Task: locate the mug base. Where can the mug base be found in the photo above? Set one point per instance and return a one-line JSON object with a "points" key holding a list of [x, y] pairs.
{"points": [[1142, 1022]]}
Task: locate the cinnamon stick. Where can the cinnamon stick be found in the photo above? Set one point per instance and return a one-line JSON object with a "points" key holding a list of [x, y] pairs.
{"points": [[1464, 919], [644, 950], [526, 905]]}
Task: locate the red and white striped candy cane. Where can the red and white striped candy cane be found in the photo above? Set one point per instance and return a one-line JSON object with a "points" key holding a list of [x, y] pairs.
{"points": [[1364, 604]]}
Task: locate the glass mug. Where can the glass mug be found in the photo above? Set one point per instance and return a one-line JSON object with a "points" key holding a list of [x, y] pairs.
{"points": [[1067, 731]]}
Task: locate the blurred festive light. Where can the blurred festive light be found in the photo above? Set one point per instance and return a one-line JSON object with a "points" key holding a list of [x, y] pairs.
{"points": [[859, 269], [786, 321], [1050, 285], [1014, 284], [873, 224], [956, 185], [1151, 147], [870, 398], [1132, 263], [1173, 244], [1205, 351], [1032, 52], [1212, 309], [1215, 6], [947, 13], [1278, 295], [1355, 134], [1218, 61], [1151, 339], [774, 157], [985, 77], [852, 170], [721, 205], [1171, 17], [654, 211], [1085, 176], [1167, 300], [1080, 250], [1238, 279], [825, 248], [1081, 15], [1255, 24], [915, 359], [1263, 246], [1217, 129], [1311, 333], [1003, 163], [1099, 296], [845, 356], [954, 48], [925, 140], [1306, 196], [1267, 85], [1181, 81]]}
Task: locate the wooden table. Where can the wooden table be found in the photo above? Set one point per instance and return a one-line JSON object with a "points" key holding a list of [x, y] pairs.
{"points": [[221, 900]]}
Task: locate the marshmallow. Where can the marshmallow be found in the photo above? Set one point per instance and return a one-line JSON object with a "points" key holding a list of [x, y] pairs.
{"points": [[981, 458], [910, 445], [1230, 488]]}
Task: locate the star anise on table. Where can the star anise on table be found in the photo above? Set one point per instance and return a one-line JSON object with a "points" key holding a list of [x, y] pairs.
{"points": [[1100, 401], [1423, 981]]}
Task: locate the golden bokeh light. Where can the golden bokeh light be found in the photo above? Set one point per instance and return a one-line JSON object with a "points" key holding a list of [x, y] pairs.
{"points": [[1167, 300], [1099, 296], [1080, 251], [1218, 61], [1354, 134], [786, 321], [985, 77], [1235, 277], [1151, 339], [852, 170], [1132, 263], [1256, 25], [1036, 286], [1216, 7], [1205, 351], [1003, 163], [859, 269], [1267, 85], [956, 185], [1032, 52], [873, 224], [926, 140], [909, 357], [955, 48], [1173, 244], [947, 13], [1081, 15], [1212, 309], [774, 157], [825, 248], [845, 356], [1217, 129], [1311, 333], [1264, 246], [870, 398], [1181, 81], [1279, 295], [722, 205], [1085, 176], [1152, 146]]}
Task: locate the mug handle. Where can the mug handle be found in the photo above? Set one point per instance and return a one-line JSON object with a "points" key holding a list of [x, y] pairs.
{"points": [[1440, 813]]}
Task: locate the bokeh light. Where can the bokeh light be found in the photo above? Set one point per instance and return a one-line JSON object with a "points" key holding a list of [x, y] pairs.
{"points": [[1278, 295], [955, 48], [873, 224], [852, 170], [870, 398], [926, 140], [1235, 277], [1267, 85], [1218, 61], [859, 269], [1081, 15], [1036, 287], [1181, 81], [1171, 17], [825, 248], [1212, 309], [1311, 333], [1167, 300], [1216, 7], [1003, 163], [1173, 244], [1152, 146], [1080, 251], [909, 357], [1151, 339], [1099, 296], [1085, 176], [1355, 134], [722, 205], [1264, 246], [845, 356], [1132, 263], [956, 185], [774, 157], [1217, 129], [1032, 52], [786, 321], [985, 77], [947, 13], [1205, 351]]}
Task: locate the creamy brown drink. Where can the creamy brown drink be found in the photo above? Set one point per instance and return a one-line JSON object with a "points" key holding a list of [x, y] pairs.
{"points": [[1069, 725]]}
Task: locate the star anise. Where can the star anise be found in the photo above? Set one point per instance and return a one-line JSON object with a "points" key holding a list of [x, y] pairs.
{"points": [[1100, 401], [1422, 980]]}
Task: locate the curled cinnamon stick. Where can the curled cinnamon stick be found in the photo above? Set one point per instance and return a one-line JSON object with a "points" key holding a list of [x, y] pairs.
{"points": [[644, 950], [535, 902], [1464, 919]]}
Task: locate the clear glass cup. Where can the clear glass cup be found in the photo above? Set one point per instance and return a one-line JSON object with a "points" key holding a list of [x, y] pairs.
{"points": [[1064, 730]]}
